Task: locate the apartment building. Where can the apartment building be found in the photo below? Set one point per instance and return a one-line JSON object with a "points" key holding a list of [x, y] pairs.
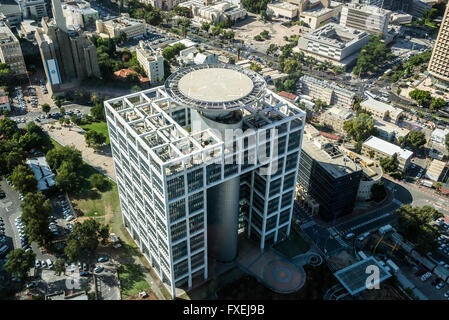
{"points": [[329, 92], [33, 9], [335, 43], [335, 118], [132, 28], [371, 19], [186, 187], [151, 61], [382, 110], [439, 62], [376, 149], [10, 50], [389, 131]]}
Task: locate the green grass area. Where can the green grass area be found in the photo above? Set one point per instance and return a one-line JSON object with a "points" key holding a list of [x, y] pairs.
{"points": [[132, 280], [55, 143], [293, 246], [100, 127]]}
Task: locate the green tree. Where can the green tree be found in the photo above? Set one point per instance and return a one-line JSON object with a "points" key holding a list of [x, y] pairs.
{"points": [[371, 56], [36, 211], [205, 26], [19, 262], [415, 139], [87, 234], [103, 233], [255, 67], [360, 128], [170, 53], [437, 186], [98, 181], [23, 179], [9, 128], [422, 97], [73, 250], [60, 266], [378, 192], [94, 139], [389, 164], [57, 156], [46, 108], [413, 224], [437, 103]]}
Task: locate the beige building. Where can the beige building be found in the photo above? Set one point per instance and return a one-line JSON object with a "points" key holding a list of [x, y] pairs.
{"points": [[389, 131], [151, 61], [10, 50], [316, 17], [439, 62], [133, 28], [165, 5], [329, 92], [283, 10], [381, 110], [335, 118], [376, 149]]}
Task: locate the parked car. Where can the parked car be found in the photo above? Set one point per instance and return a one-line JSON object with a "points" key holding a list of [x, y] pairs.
{"points": [[103, 259], [98, 269]]}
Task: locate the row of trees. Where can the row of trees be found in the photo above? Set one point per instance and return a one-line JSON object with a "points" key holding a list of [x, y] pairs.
{"points": [[425, 99], [371, 57]]}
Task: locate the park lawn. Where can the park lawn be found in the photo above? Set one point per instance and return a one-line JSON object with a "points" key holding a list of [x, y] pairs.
{"points": [[100, 127], [293, 246], [132, 280], [55, 143]]}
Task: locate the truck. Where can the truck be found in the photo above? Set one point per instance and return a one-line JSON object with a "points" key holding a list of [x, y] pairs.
{"points": [[385, 229], [427, 183], [393, 265]]}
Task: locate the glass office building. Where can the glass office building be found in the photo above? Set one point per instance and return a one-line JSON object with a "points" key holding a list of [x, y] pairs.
{"points": [[187, 186]]}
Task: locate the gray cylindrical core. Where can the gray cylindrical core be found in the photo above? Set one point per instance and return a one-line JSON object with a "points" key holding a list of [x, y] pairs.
{"points": [[222, 199], [222, 220]]}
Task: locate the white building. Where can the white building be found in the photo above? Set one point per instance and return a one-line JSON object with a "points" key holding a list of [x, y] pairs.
{"points": [[439, 135], [215, 11], [389, 131], [185, 191], [435, 170], [280, 9], [335, 43], [28, 28], [193, 56], [151, 61], [316, 17], [79, 14], [33, 9], [381, 110], [365, 17], [376, 149]]}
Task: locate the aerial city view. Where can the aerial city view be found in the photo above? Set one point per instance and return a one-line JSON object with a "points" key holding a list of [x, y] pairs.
{"points": [[222, 150]]}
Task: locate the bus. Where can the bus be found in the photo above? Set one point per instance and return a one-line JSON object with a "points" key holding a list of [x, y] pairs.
{"points": [[371, 95]]}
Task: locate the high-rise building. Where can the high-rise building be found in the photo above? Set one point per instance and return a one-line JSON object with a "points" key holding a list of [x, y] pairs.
{"points": [[371, 19], [439, 62], [195, 166], [68, 56], [327, 176], [10, 50]]}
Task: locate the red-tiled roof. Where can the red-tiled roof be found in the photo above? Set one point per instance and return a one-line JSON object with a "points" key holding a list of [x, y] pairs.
{"points": [[287, 95], [124, 73], [4, 100], [329, 135]]}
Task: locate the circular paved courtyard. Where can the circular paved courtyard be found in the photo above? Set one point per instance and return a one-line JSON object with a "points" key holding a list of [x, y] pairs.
{"points": [[283, 277]]}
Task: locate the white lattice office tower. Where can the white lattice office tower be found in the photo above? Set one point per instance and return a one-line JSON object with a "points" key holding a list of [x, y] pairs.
{"points": [[185, 191], [439, 62]]}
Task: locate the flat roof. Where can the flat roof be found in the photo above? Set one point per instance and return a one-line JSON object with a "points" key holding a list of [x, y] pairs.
{"points": [[215, 87], [355, 277], [387, 147], [380, 106], [334, 162], [390, 127]]}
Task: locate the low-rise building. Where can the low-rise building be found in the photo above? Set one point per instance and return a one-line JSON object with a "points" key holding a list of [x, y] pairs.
{"points": [[389, 131], [151, 61], [284, 10], [439, 135], [79, 14], [192, 55], [335, 118], [329, 92], [401, 18], [382, 110], [334, 43], [10, 12], [44, 176], [215, 11], [132, 28], [317, 16], [376, 149], [435, 170], [371, 19], [28, 28], [33, 9], [10, 50], [4, 104], [164, 5], [124, 73]]}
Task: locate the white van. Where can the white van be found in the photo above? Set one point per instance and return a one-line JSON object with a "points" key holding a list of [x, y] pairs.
{"points": [[49, 263]]}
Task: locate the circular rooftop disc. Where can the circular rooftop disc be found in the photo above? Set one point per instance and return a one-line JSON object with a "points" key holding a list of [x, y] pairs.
{"points": [[215, 85]]}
